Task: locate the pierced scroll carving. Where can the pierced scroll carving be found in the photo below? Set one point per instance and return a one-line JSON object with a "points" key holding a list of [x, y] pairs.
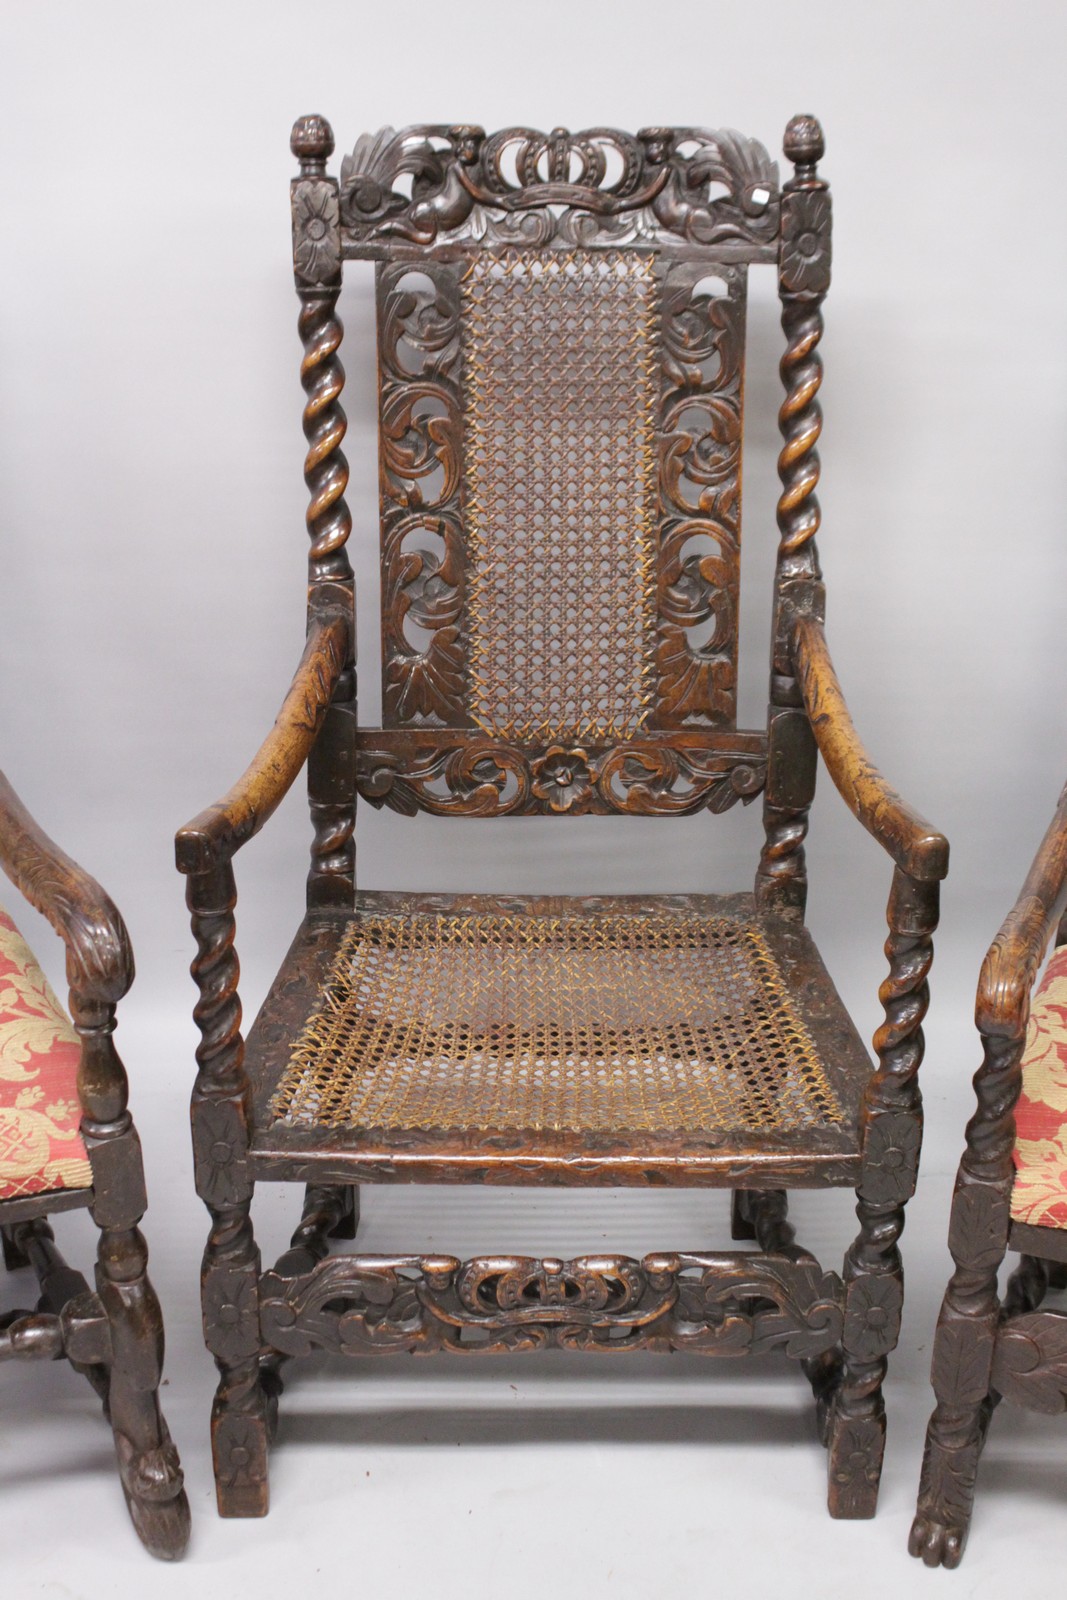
{"points": [[489, 778], [522, 187], [728, 1305], [700, 497], [423, 565]]}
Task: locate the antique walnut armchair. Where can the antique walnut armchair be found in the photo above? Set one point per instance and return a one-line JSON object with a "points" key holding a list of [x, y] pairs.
{"points": [[560, 329], [1010, 1194], [67, 1140]]}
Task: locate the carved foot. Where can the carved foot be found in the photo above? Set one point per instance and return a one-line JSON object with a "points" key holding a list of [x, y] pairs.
{"points": [[239, 1442], [154, 1488], [954, 1443], [935, 1543], [856, 1446]]}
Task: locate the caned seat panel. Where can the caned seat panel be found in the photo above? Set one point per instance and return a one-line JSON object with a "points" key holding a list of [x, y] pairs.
{"points": [[659, 1031]]}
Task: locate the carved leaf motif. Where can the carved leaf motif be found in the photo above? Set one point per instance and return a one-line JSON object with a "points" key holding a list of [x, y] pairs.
{"points": [[978, 1231], [423, 571], [699, 489], [488, 778], [960, 1368]]}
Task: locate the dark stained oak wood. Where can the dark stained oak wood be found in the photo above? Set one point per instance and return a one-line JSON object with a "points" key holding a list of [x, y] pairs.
{"points": [[916, 847], [99, 958], [810, 1158], [979, 1336], [1014, 958], [684, 214], [216, 835], [113, 1334]]}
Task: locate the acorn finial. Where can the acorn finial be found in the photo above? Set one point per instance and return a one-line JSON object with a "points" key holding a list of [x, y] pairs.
{"points": [[311, 141], [804, 143]]}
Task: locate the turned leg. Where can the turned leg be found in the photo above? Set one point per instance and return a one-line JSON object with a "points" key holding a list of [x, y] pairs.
{"points": [[229, 1278], [148, 1462], [873, 1273], [970, 1315]]}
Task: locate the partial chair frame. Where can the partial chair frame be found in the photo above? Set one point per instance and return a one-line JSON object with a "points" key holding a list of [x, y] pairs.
{"points": [[842, 1328], [113, 1335], [987, 1349]]}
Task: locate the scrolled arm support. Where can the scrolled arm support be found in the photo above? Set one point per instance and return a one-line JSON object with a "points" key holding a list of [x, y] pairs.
{"points": [[917, 848], [213, 838], [99, 957], [1011, 965]]}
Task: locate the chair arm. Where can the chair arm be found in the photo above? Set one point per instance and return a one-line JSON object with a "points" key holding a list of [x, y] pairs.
{"points": [[1010, 967], [916, 847], [99, 957], [216, 835]]}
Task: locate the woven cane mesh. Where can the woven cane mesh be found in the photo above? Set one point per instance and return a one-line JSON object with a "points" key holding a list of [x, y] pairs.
{"points": [[606, 1023], [560, 459]]}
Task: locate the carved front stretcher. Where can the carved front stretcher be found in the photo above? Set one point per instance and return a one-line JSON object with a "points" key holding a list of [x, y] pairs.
{"points": [[561, 330]]}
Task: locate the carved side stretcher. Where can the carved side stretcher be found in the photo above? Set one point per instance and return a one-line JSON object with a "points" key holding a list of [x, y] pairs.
{"points": [[112, 1334], [561, 349]]}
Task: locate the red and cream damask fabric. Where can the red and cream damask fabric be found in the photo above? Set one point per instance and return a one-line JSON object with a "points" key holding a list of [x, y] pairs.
{"points": [[1040, 1192], [40, 1146]]}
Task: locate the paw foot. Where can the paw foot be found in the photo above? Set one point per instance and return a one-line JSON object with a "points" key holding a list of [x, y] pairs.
{"points": [[936, 1543]]}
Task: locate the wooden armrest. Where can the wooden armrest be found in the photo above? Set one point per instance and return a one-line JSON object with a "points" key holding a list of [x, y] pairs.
{"points": [[99, 957], [916, 847], [1010, 967], [218, 833]]}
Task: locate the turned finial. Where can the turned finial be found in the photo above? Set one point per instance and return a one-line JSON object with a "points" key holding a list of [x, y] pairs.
{"points": [[804, 144], [311, 142]]}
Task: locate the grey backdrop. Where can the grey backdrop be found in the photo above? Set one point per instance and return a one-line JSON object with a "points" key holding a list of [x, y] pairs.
{"points": [[151, 614]]}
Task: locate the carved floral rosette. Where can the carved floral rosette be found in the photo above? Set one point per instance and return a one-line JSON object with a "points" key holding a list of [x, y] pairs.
{"points": [[485, 777]]}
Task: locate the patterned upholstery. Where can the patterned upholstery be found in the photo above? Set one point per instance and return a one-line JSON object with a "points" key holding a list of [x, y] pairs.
{"points": [[1039, 1196], [40, 1146]]}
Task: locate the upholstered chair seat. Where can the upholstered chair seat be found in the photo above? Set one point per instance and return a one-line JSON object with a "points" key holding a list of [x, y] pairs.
{"points": [[41, 1148], [1039, 1194]]}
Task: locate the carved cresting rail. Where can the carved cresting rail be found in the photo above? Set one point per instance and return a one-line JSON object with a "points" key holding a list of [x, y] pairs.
{"points": [[722, 1305]]}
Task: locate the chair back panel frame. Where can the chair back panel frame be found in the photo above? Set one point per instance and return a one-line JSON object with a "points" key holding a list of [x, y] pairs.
{"points": [[698, 206]]}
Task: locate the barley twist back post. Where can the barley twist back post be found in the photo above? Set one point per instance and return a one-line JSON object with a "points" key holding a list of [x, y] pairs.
{"points": [[803, 280]]}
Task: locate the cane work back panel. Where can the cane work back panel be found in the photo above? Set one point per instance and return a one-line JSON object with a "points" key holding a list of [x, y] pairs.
{"points": [[561, 329]]}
